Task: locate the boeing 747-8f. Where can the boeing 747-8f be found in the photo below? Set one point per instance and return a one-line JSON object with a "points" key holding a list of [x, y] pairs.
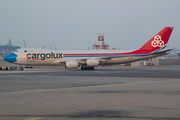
{"points": [[88, 59]]}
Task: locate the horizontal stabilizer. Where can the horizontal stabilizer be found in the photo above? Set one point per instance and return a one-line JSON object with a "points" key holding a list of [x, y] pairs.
{"points": [[161, 52]]}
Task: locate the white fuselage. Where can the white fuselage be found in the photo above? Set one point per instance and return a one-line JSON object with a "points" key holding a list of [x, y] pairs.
{"points": [[41, 57]]}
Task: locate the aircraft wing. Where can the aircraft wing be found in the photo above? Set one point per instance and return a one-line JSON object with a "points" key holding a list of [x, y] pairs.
{"points": [[83, 61]]}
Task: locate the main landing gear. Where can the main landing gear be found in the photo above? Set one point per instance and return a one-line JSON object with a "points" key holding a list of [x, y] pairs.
{"points": [[87, 68]]}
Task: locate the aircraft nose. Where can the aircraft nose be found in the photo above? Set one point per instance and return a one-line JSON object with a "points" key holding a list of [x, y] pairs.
{"points": [[11, 57]]}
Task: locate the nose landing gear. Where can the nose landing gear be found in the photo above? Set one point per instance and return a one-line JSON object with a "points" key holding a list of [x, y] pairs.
{"points": [[21, 68]]}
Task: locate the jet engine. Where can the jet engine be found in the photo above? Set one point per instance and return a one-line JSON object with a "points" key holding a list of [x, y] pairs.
{"points": [[72, 64], [92, 62]]}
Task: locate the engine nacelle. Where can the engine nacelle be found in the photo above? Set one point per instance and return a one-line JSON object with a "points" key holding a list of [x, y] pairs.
{"points": [[72, 64], [92, 62]]}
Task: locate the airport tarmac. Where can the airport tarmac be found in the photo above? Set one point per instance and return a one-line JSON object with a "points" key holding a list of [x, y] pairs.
{"points": [[113, 93]]}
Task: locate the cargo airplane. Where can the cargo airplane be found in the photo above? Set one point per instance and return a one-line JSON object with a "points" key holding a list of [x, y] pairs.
{"points": [[88, 59]]}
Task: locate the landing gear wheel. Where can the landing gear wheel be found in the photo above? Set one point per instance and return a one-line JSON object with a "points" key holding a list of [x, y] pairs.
{"points": [[87, 68], [82, 68]]}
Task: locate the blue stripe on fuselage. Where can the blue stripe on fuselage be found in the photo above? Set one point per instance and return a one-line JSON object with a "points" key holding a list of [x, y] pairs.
{"points": [[105, 55]]}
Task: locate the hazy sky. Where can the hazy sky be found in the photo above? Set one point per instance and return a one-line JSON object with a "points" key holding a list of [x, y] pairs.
{"points": [[74, 23]]}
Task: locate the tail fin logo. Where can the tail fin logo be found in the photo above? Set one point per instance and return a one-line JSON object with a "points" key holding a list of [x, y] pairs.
{"points": [[157, 41]]}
